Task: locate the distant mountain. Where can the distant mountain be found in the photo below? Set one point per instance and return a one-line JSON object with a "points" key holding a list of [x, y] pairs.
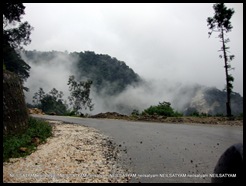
{"points": [[112, 78], [109, 75], [212, 101]]}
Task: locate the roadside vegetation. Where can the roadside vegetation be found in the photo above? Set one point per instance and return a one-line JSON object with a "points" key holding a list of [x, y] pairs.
{"points": [[163, 112], [52, 103], [162, 109], [21, 145]]}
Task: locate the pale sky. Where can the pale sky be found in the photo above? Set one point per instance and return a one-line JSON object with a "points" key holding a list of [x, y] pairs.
{"points": [[158, 41]]}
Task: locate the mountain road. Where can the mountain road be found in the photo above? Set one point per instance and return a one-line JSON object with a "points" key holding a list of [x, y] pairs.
{"points": [[165, 152]]}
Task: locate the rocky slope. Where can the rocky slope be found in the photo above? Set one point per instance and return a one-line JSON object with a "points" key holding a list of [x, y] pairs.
{"points": [[212, 101]]}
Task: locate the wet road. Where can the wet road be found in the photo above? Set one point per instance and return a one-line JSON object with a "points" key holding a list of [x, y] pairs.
{"points": [[165, 153]]}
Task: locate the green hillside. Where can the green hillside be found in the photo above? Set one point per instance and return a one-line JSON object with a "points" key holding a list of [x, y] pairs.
{"points": [[109, 75]]}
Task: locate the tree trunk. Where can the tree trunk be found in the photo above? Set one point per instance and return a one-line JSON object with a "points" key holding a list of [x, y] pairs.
{"points": [[228, 90]]}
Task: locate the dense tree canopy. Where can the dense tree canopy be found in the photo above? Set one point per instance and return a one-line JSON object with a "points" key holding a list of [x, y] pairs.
{"points": [[109, 75], [13, 11], [51, 102], [15, 35], [104, 70], [162, 109]]}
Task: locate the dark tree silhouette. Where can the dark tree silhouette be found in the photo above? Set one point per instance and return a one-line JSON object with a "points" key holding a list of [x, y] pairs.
{"points": [[15, 34], [51, 102], [220, 23]]}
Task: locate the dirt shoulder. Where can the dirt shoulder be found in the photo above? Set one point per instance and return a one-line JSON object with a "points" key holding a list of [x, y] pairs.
{"points": [[163, 119], [74, 154]]}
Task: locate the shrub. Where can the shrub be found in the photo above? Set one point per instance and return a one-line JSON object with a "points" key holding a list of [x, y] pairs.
{"points": [[163, 109], [135, 112], [12, 143], [71, 113]]}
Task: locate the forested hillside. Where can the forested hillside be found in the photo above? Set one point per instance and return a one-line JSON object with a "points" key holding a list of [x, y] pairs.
{"points": [[116, 87], [109, 75]]}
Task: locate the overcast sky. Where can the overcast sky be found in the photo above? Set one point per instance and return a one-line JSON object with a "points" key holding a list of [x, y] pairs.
{"points": [[158, 41]]}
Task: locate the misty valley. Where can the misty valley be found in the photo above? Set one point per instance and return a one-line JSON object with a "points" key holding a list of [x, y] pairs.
{"points": [[116, 87]]}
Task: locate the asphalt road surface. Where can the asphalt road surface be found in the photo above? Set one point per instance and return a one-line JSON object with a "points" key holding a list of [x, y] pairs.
{"points": [[162, 152]]}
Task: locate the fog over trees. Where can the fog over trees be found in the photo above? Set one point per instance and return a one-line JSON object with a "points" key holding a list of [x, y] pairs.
{"points": [[116, 87]]}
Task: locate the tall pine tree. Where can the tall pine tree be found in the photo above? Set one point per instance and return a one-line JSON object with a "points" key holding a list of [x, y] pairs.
{"points": [[221, 23]]}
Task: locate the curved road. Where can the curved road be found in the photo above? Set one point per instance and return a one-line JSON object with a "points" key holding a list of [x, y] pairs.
{"points": [[165, 153]]}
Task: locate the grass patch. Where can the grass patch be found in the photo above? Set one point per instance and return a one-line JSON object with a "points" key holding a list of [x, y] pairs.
{"points": [[21, 145]]}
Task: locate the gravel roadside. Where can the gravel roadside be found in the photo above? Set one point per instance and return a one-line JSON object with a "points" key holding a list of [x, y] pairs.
{"points": [[74, 154]]}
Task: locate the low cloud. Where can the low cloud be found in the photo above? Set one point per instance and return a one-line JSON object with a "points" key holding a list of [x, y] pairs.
{"points": [[48, 75], [54, 73]]}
